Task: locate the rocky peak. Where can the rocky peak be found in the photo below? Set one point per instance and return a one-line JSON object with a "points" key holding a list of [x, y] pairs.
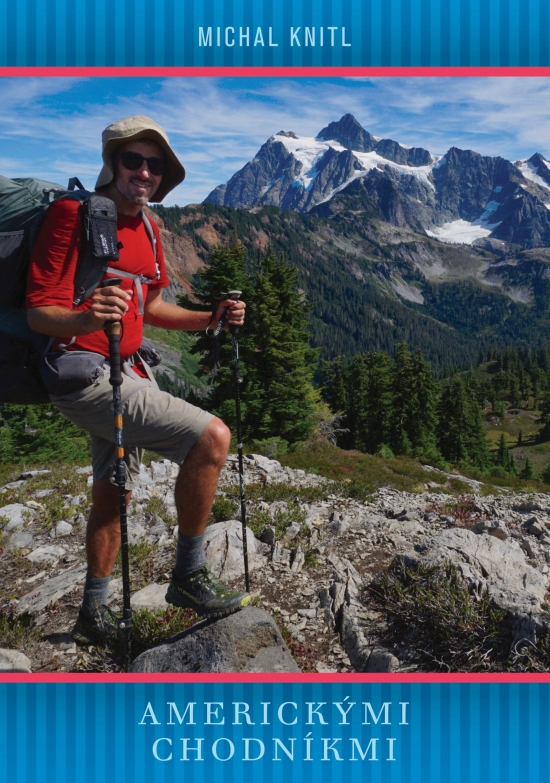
{"points": [[349, 133], [540, 166], [288, 134]]}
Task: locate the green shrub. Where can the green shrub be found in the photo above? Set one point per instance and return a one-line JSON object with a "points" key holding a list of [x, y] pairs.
{"points": [[223, 508]]}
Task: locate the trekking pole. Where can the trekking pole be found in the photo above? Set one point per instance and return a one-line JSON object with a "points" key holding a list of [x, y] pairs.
{"points": [[237, 380], [112, 330]]}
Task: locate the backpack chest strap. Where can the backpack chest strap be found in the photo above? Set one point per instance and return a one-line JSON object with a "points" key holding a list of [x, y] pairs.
{"points": [[138, 281]]}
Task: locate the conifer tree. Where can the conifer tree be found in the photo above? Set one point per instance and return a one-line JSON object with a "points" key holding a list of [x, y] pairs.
{"points": [[452, 420], [502, 456], [544, 419], [545, 475], [334, 384], [370, 403], [276, 361], [515, 394], [460, 433], [401, 401], [281, 399], [225, 271], [528, 471], [524, 387], [423, 408]]}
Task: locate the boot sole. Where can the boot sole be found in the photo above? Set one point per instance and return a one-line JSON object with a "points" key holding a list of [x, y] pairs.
{"points": [[176, 600]]}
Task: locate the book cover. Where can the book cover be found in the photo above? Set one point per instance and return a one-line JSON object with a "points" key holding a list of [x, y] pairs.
{"points": [[430, 117]]}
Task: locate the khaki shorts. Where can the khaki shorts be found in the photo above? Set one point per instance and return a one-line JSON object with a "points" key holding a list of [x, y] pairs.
{"points": [[152, 419]]}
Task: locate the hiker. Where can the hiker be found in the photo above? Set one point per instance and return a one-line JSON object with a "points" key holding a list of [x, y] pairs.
{"points": [[139, 167]]}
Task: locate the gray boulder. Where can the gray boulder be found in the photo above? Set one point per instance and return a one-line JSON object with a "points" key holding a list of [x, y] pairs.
{"points": [[46, 554], [32, 473], [61, 530], [156, 527], [150, 597], [164, 471], [144, 479], [20, 540], [488, 562], [135, 531], [14, 661], [248, 641], [223, 544], [382, 660], [14, 516], [264, 463]]}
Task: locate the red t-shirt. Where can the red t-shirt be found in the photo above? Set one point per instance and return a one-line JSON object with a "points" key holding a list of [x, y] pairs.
{"points": [[53, 267]]}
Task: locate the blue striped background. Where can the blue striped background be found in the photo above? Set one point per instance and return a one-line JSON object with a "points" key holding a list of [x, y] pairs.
{"points": [[418, 33], [456, 733]]}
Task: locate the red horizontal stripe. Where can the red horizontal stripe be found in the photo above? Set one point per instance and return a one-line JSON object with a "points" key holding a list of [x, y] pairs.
{"points": [[411, 678], [273, 71]]}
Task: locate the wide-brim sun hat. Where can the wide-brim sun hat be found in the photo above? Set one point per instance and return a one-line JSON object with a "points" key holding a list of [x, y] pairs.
{"points": [[133, 129]]}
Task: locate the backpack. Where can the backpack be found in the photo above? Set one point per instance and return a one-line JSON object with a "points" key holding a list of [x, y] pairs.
{"points": [[24, 204]]}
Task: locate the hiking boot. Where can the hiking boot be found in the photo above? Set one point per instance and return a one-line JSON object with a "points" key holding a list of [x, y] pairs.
{"points": [[100, 628], [204, 593]]}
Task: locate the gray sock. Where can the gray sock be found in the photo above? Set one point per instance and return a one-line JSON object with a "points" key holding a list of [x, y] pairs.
{"points": [[189, 555], [96, 590]]}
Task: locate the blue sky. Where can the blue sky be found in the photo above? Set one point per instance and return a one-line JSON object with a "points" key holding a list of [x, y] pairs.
{"points": [[51, 128]]}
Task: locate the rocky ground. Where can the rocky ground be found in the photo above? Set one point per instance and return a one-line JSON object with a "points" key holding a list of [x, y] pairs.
{"points": [[313, 552]]}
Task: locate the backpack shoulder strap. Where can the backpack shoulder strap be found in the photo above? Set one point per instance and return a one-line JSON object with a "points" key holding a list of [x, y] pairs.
{"points": [[153, 238], [101, 245], [150, 233]]}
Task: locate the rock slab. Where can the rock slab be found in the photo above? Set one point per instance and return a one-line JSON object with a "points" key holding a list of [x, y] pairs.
{"points": [[248, 641], [50, 591]]}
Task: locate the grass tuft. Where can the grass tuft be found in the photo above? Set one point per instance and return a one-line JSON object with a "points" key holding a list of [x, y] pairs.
{"points": [[16, 629], [431, 609]]}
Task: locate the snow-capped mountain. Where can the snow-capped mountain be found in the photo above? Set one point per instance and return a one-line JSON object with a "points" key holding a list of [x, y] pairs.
{"points": [[460, 197]]}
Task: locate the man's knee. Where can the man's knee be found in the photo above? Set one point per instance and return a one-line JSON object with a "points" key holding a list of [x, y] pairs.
{"points": [[213, 444]]}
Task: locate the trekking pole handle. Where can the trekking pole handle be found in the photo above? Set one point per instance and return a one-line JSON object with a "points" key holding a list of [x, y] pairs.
{"points": [[235, 295], [112, 330], [111, 327]]}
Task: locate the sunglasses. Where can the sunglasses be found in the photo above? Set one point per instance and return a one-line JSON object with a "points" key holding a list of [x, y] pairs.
{"points": [[134, 161]]}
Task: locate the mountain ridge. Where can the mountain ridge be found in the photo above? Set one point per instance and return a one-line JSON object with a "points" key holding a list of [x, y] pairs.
{"points": [[462, 196]]}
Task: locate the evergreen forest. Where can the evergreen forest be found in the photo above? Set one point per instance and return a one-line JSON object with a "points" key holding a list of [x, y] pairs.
{"points": [[347, 266]]}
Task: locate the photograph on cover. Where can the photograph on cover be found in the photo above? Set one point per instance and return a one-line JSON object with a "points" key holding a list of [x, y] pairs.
{"points": [[390, 382]]}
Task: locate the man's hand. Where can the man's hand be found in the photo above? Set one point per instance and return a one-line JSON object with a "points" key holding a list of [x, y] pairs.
{"points": [[234, 313], [171, 316], [108, 304]]}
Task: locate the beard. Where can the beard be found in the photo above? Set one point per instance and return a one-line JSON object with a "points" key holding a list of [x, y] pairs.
{"points": [[133, 195]]}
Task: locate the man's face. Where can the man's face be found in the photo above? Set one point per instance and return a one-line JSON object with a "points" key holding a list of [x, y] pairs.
{"points": [[139, 186]]}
